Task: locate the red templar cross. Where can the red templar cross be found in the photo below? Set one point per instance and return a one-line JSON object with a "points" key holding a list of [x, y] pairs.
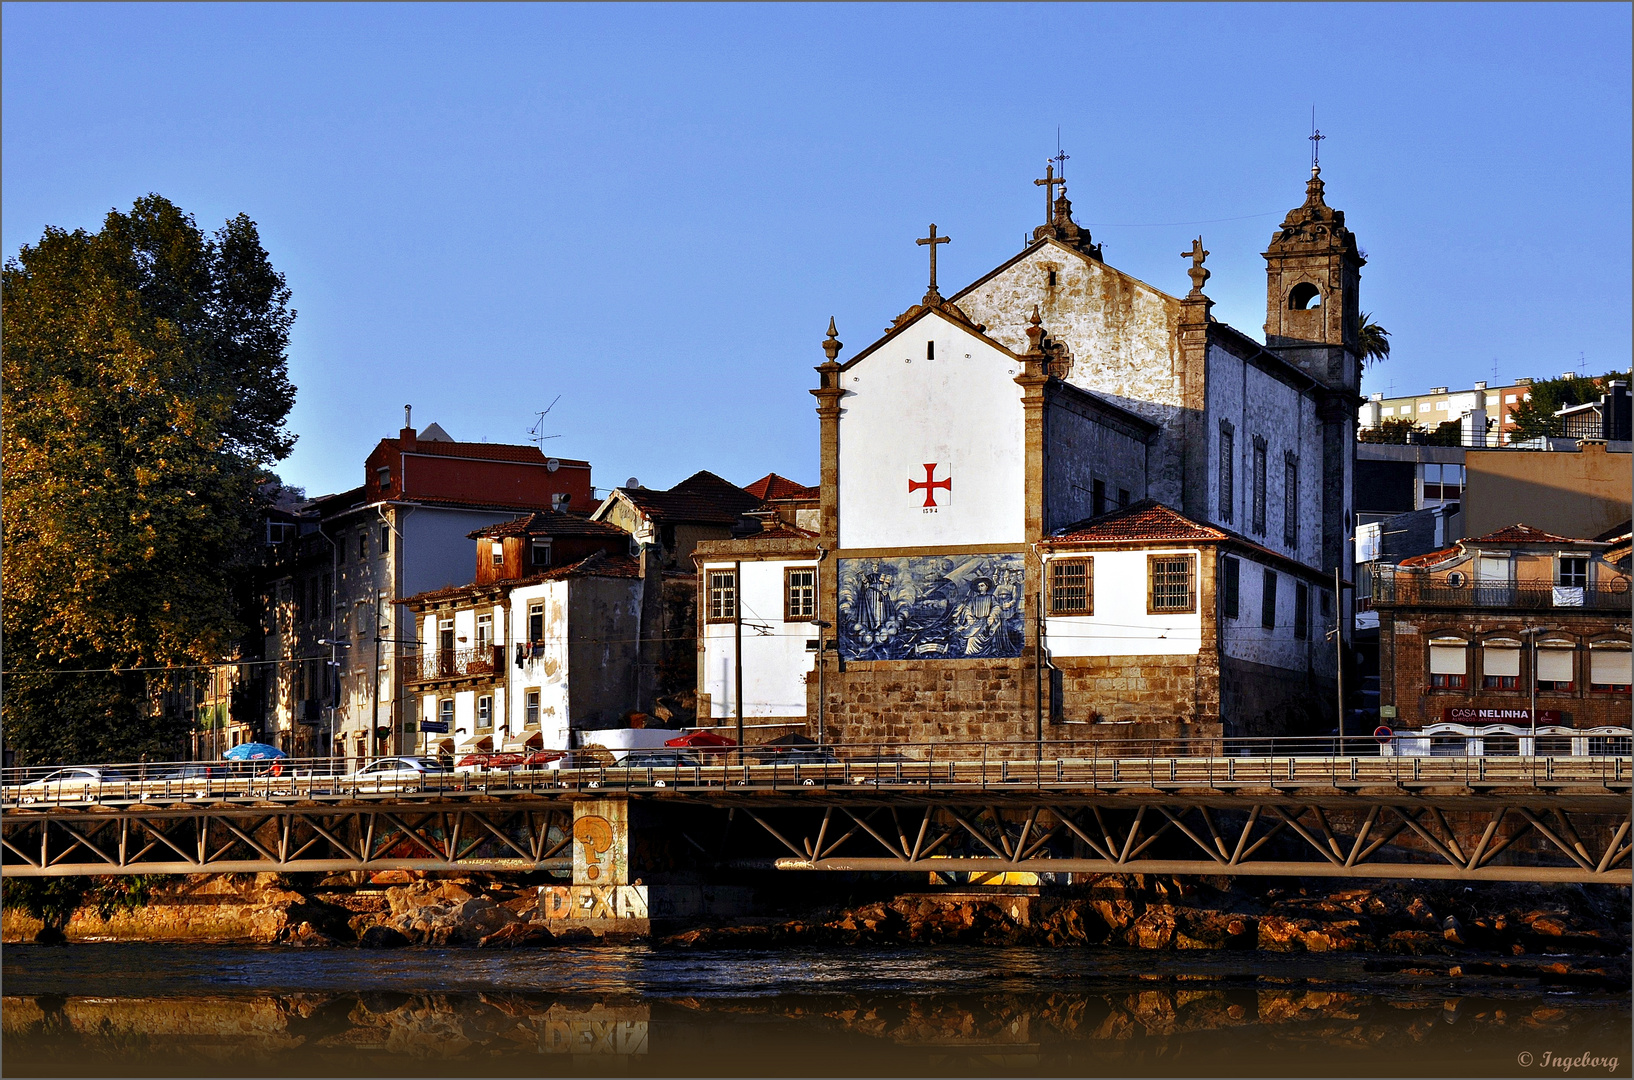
{"points": [[929, 485]]}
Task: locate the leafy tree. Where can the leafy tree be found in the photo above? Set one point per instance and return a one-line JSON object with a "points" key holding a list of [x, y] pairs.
{"points": [[1373, 339], [146, 393], [1537, 416], [1393, 431]]}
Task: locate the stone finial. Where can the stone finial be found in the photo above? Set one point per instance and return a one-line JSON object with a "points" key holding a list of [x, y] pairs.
{"points": [[1197, 272], [831, 344], [1035, 333]]}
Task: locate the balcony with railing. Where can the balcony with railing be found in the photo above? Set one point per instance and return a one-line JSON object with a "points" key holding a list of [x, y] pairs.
{"points": [[456, 663], [1416, 590]]}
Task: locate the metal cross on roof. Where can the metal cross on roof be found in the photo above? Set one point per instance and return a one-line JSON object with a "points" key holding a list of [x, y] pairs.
{"points": [[1316, 138], [1049, 184], [932, 240]]}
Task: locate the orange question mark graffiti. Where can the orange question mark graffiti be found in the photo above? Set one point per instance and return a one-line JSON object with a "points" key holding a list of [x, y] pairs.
{"points": [[596, 834]]}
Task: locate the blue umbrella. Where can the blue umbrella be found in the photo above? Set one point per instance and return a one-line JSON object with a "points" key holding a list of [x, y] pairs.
{"points": [[253, 751]]}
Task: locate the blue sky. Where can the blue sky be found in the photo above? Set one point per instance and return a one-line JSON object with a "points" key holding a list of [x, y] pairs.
{"points": [[653, 211]]}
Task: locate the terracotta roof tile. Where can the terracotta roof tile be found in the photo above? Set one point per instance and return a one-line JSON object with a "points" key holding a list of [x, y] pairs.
{"points": [[548, 523], [1144, 520], [484, 451], [702, 497], [1522, 534], [772, 486], [1430, 558], [599, 564]]}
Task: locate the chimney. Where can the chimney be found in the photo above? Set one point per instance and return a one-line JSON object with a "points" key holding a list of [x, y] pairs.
{"points": [[1616, 412], [406, 439]]}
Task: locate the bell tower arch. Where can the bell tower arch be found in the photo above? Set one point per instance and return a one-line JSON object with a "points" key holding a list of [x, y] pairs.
{"points": [[1312, 272]]}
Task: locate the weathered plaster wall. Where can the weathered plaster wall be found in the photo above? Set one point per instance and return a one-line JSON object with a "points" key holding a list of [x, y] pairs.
{"points": [[1257, 403], [1079, 450], [775, 659], [546, 671], [1246, 638], [604, 616], [1120, 333], [960, 412], [1121, 625]]}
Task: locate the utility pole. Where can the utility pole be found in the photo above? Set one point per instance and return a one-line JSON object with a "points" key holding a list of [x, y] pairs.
{"points": [[1339, 649], [822, 667], [737, 647]]}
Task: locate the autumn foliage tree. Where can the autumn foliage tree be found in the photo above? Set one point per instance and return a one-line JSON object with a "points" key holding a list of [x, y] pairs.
{"points": [[146, 391]]}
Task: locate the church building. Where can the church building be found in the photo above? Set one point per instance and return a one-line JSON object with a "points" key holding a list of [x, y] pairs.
{"points": [[1064, 504]]}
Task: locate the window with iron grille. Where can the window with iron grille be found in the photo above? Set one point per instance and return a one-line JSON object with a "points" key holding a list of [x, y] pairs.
{"points": [[1228, 470], [1259, 486], [1230, 587], [723, 595], [800, 594], [1072, 587], [1290, 499], [1170, 580]]}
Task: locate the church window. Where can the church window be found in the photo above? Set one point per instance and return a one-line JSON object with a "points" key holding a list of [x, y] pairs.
{"points": [[1100, 497], [930, 350], [1259, 486], [1123, 497], [1052, 279], [1072, 587], [1305, 297], [1302, 610], [1228, 470], [1290, 498], [799, 594], [1268, 600], [723, 595], [1230, 587], [1169, 589]]}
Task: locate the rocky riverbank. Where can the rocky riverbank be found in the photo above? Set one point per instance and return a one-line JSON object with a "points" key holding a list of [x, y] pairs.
{"points": [[1526, 927]]}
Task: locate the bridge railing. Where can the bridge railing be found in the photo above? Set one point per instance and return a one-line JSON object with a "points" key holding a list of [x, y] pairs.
{"points": [[1169, 764]]}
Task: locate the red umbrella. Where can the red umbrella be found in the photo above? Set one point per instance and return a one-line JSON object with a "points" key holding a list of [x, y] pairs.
{"points": [[542, 757], [702, 740]]}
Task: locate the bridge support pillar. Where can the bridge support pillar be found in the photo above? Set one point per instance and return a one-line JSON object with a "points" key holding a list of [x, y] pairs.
{"points": [[601, 898]]}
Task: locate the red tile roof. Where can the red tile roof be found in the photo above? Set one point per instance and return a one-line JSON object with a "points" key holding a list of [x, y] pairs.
{"points": [[1144, 520], [487, 451], [772, 486], [702, 497], [1523, 534], [548, 523], [781, 530], [599, 564], [1430, 558]]}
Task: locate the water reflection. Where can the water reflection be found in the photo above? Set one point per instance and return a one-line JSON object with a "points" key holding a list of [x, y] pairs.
{"points": [[165, 1011]]}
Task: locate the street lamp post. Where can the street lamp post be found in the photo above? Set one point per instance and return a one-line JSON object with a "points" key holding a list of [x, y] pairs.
{"points": [[822, 668], [334, 690]]}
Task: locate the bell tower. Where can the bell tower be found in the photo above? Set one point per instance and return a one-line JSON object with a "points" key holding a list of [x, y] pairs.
{"points": [[1312, 272]]}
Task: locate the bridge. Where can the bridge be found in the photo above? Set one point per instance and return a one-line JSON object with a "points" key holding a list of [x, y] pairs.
{"points": [[1053, 809]]}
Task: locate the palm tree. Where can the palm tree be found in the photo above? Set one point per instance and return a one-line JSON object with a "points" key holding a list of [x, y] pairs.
{"points": [[1372, 339]]}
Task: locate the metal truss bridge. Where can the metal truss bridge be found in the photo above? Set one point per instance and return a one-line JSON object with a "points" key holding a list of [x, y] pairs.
{"points": [[1463, 819]]}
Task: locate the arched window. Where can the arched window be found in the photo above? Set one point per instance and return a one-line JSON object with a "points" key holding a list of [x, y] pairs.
{"points": [[1305, 297]]}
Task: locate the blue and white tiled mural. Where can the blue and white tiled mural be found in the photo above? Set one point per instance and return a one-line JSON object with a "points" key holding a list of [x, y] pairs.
{"points": [[931, 607]]}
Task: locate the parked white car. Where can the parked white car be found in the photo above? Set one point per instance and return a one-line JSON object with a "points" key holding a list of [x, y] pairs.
{"points": [[397, 774], [72, 783]]}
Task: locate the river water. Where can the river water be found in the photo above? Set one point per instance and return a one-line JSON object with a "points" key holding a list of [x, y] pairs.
{"points": [[164, 1010]]}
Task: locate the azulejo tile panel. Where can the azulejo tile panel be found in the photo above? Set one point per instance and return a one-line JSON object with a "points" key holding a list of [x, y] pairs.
{"points": [[931, 607]]}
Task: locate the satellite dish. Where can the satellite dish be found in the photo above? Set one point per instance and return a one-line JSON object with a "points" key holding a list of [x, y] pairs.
{"points": [[632, 482], [552, 465]]}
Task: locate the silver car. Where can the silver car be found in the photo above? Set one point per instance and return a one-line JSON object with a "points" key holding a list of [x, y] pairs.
{"points": [[397, 774], [75, 783]]}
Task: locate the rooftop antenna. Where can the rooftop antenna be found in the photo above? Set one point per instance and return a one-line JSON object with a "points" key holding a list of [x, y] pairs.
{"points": [[537, 431], [1316, 144]]}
